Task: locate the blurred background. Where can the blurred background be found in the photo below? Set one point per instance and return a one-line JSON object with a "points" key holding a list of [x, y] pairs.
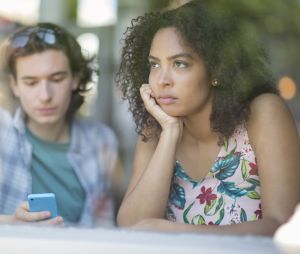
{"points": [[100, 24]]}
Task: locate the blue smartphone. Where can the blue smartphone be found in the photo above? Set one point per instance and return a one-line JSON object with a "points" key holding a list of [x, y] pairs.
{"points": [[43, 202]]}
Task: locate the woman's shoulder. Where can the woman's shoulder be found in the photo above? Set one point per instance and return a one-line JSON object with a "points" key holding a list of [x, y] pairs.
{"points": [[267, 108], [269, 116], [266, 103]]}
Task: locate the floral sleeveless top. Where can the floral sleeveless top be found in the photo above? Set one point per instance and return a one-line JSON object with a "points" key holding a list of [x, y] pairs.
{"points": [[229, 194]]}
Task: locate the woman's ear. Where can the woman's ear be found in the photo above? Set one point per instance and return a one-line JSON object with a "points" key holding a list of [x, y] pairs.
{"points": [[13, 85]]}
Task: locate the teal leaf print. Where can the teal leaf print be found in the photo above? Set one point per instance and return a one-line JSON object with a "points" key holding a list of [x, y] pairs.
{"points": [[253, 181], [220, 217], [250, 188], [253, 195], [243, 215], [185, 213], [177, 196], [231, 190], [226, 167], [198, 220]]}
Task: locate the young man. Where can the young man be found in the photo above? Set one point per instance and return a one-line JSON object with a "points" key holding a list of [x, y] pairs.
{"points": [[44, 148]]}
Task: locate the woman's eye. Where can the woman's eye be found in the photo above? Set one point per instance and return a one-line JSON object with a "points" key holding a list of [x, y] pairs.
{"points": [[180, 64], [153, 65]]}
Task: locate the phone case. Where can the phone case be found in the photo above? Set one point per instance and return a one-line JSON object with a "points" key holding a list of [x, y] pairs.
{"points": [[43, 202]]}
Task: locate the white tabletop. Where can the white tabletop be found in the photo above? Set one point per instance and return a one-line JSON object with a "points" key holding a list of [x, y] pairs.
{"points": [[25, 239]]}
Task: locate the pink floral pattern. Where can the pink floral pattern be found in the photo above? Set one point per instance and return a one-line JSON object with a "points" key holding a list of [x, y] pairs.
{"points": [[206, 196], [229, 194]]}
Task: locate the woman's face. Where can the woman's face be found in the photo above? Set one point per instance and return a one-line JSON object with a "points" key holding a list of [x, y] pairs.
{"points": [[178, 77], [44, 85]]}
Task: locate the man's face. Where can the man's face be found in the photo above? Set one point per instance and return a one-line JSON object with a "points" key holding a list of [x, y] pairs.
{"points": [[44, 85]]}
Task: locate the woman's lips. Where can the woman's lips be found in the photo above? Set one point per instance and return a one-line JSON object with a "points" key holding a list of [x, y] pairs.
{"points": [[166, 100]]}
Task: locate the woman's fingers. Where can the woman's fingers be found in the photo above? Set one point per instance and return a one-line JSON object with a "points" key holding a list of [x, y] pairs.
{"points": [[150, 104], [155, 110], [146, 94]]}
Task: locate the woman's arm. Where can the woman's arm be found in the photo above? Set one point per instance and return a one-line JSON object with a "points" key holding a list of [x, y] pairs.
{"points": [[149, 187], [274, 138], [265, 226]]}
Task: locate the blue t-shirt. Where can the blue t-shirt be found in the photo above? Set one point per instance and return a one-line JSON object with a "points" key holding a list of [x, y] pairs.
{"points": [[52, 172]]}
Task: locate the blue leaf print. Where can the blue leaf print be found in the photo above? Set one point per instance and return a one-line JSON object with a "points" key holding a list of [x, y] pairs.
{"points": [[226, 167], [251, 188], [230, 190], [170, 214], [243, 215], [177, 196], [180, 173], [253, 181]]}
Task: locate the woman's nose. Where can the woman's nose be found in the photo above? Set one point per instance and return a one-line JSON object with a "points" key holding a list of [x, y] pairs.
{"points": [[165, 77]]}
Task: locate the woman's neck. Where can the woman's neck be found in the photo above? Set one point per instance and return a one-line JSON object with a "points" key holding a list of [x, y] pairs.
{"points": [[197, 126], [58, 132]]}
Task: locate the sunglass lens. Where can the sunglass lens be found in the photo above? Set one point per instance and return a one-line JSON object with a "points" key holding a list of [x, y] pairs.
{"points": [[20, 41], [47, 36]]}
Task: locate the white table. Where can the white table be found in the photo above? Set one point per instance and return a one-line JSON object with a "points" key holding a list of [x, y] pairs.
{"points": [[36, 240]]}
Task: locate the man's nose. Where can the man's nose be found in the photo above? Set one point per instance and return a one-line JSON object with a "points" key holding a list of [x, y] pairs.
{"points": [[45, 92]]}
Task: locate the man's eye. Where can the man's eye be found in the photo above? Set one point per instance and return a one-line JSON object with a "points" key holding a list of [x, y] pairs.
{"points": [[32, 83], [180, 64], [57, 79]]}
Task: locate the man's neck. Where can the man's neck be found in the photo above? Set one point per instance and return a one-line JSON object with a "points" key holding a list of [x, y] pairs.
{"points": [[58, 132]]}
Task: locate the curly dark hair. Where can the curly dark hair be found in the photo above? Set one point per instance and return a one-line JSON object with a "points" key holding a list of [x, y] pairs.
{"points": [[44, 36], [238, 63]]}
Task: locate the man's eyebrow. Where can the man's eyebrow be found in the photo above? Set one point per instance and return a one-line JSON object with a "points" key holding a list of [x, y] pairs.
{"points": [[51, 75], [188, 55], [28, 77], [59, 73]]}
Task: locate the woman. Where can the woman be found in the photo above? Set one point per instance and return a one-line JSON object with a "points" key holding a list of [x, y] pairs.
{"points": [[217, 145], [44, 147]]}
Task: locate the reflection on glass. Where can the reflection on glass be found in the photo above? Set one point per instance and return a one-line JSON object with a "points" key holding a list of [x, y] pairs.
{"points": [[26, 12], [96, 12], [90, 45], [287, 88]]}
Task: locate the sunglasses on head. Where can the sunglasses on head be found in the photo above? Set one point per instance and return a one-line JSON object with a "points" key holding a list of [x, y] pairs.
{"points": [[46, 35]]}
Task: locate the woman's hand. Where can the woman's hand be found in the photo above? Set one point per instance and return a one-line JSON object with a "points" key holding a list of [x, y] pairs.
{"points": [[23, 215], [165, 121]]}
